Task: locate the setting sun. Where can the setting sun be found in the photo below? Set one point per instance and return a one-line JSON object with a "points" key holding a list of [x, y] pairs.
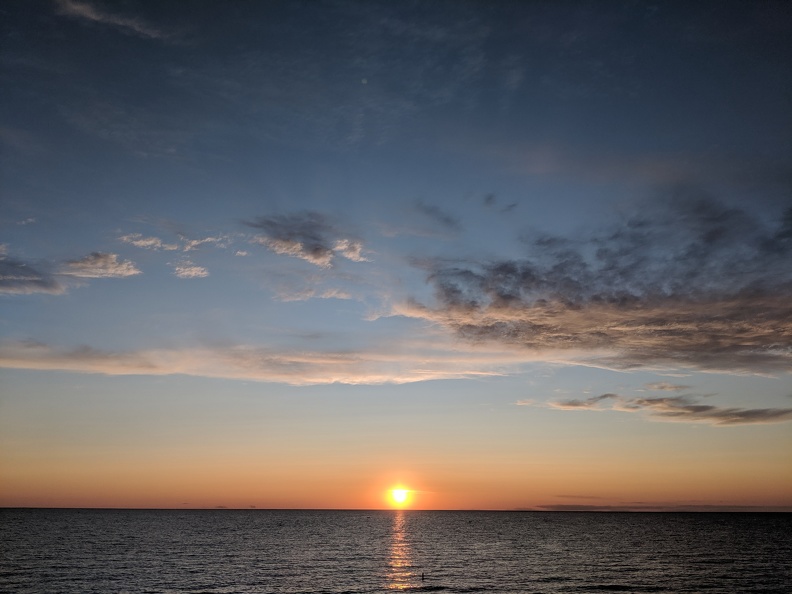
{"points": [[399, 496]]}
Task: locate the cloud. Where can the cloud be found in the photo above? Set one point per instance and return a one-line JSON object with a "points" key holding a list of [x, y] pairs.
{"points": [[318, 255], [149, 243], [187, 244], [681, 409], [99, 265], [438, 215], [20, 278], [407, 363], [89, 12], [587, 404], [667, 387], [187, 269], [351, 250], [309, 293], [491, 200], [688, 283], [308, 236], [191, 244]]}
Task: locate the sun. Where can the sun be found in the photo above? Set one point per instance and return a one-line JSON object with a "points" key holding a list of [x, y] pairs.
{"points": [[399, 496]]}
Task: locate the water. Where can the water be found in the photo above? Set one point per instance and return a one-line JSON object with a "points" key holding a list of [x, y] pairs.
{"points": [[230, 551]]}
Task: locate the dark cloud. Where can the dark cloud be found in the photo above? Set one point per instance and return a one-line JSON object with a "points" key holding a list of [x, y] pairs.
{"points": [[687, 283], [680, 408], [21, 278], [308, 235], [438, 215]]}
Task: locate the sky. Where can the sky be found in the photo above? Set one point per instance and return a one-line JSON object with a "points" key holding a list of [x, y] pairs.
{"points": [[532, 255]]}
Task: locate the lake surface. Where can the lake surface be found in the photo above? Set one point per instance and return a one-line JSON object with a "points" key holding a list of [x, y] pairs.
{"points": [[246, 551]]}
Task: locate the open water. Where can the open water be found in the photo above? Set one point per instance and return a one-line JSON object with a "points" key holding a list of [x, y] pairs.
{"points": [[261, 551]]}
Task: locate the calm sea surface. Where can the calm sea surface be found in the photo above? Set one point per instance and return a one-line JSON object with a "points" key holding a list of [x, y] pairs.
{"points": [[226, 551]]}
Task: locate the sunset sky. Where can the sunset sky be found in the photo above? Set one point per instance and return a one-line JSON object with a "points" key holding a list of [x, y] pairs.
{"points": [[294, 254]]}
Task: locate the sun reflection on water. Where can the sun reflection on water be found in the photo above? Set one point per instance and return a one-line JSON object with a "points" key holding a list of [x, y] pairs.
{"points": [[400, 567]]}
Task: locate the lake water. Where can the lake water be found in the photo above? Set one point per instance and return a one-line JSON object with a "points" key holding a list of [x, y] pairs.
{"points": [[236, 551]]}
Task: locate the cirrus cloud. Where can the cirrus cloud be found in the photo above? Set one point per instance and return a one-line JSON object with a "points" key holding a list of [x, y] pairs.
{"points": [[89, 12]]}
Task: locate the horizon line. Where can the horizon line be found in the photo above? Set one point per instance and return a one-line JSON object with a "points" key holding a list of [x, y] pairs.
{"points": [[544, 509]]}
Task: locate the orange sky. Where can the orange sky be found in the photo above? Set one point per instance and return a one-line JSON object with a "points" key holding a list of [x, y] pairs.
{"points": [[199, 475]]}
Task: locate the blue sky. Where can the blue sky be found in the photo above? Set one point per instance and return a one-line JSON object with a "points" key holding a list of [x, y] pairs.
{"points": [[494, 225]]}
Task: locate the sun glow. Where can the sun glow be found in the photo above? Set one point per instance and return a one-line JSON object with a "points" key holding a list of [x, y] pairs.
{"points": [[399, 496]]}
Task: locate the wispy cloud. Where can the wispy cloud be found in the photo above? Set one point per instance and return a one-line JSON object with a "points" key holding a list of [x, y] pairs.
{"points": [[99, 265], [417, 363], [186, 244], [18, 277], [309, 236], [686, 284], [438, 215], [187, 269], [679, 408], [149, 243], [585, 404], [310, 293], [491, 201], [84, 10], [667, 387], [191, 244]]}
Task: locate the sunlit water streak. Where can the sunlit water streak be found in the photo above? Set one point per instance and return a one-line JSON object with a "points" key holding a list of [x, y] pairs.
{"points": [[335, 552], [402, 573]]}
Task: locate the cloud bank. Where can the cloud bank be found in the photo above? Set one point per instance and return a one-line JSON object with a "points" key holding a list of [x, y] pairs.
{"points": [[309, 236], [688, 283]]}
